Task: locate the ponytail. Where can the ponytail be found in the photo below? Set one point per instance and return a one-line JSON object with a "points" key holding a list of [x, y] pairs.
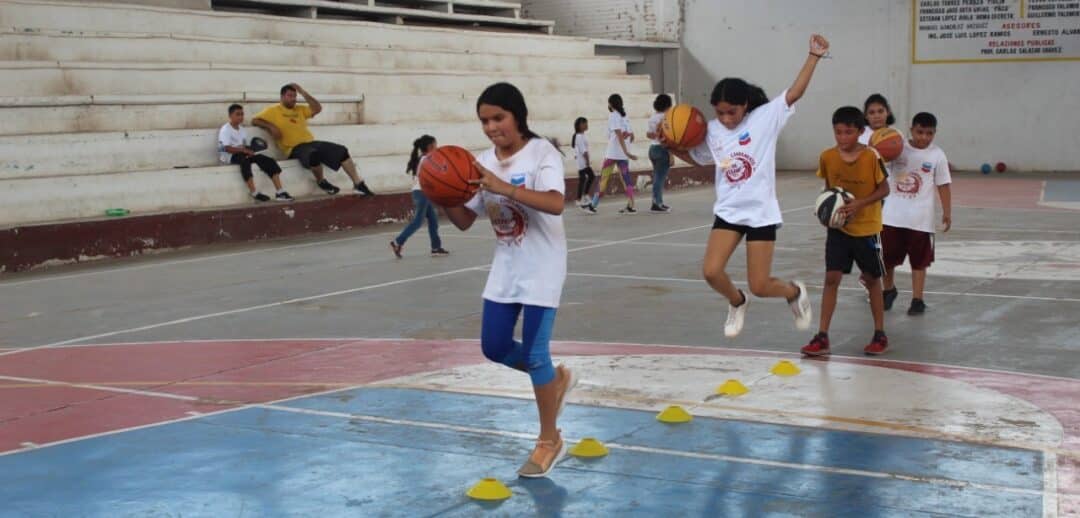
{"points": [[419, 145], [577, 129], [616, 103]]}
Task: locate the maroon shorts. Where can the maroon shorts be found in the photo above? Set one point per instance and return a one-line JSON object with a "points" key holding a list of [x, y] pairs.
{"points": [[898, 243]]}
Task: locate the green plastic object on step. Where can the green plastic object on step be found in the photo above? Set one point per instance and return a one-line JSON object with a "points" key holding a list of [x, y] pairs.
{"points": [[117, 212]]}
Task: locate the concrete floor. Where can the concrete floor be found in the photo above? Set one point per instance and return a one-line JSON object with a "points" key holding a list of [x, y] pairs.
{"points": [[990, 374]]}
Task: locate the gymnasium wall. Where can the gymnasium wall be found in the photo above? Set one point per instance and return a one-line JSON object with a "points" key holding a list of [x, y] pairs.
{"points": [[1023, 114], [637, 20]]}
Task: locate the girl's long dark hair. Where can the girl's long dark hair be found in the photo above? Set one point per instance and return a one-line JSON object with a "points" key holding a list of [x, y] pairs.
{"points": [[509, 98], [577, 129], [879, 99], [418, 147], [615, 101], [733, 90]]}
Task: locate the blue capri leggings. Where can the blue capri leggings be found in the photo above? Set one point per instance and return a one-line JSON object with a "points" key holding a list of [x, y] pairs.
{"points": [[532, 354]]}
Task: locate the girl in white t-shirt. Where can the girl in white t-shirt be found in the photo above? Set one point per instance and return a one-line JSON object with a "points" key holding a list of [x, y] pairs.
{"points": [[878, 115], [617, 155], [423, 209], [522, 192], [586, 176], [741, 141]]}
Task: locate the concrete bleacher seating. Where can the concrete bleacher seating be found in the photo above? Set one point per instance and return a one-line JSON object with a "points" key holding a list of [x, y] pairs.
{"points": [[109, 106]]}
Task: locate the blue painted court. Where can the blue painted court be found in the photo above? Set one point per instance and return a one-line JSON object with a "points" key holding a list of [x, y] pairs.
{"points": [[386, 451]]}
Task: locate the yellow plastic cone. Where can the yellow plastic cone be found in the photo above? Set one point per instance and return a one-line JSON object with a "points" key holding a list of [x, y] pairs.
{"points": [[674, 414], [489, 489], [732, 388], [784, 368], [589, 448]]}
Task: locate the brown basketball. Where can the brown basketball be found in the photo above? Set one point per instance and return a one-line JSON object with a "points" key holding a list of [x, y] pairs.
{"points": [[684, 126], [888, 143], [445, 175]]}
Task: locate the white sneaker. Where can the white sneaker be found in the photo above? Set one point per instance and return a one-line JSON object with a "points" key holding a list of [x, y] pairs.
{"points": [[801, 307], [735, 317]]}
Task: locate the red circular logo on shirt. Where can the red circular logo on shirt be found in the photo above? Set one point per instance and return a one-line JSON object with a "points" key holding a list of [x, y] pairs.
{"points": [[739, 168], [508, 220], [908, 184]]}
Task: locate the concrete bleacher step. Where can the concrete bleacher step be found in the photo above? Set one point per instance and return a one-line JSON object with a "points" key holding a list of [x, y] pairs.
{"points": [[98, 113], [88, 154], [104, 113], [88, 78], [77, 17], [50, 45], [384, 13]]}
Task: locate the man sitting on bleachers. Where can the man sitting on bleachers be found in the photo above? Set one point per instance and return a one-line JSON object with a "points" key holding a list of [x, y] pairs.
{"points": [[287, 123]]}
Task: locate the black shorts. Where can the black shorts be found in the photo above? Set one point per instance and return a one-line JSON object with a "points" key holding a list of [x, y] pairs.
{"points": [[766, 233], [317, 152], [841, 250]]}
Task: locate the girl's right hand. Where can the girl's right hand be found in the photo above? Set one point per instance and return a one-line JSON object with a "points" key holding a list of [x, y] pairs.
{"points": [[819, 46]]}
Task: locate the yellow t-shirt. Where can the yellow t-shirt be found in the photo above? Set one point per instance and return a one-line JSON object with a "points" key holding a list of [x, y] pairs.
{"points": [[860, 178], [291, 122]]}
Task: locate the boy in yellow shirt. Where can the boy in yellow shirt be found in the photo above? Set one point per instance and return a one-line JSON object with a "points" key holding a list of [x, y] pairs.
{"points": [[287, 123], [859, 170]]}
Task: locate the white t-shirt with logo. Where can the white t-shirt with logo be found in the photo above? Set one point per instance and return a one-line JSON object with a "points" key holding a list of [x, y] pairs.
{"points": [[654, 125], [745, 159], [230, 136], [530, 251], [581, 146], [614, 150], [916, 175]]}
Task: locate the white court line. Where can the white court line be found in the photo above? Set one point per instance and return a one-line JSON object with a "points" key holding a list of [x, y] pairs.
{"points": [[340, 292], [189, 417], [972, 229], [743, 283], [103, 388], [1050, 485], [189, 260], [953, 483]]}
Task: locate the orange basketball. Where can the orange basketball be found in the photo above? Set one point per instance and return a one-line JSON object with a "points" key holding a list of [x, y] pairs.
{"points": [[888, 143], [684, 126], [445, 175]]}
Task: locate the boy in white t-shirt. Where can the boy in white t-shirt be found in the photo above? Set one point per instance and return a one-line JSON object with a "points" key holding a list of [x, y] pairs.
{"points": [[234, 148], [920, 170]]}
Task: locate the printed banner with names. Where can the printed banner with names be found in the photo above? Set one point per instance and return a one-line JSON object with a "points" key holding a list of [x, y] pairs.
{"points": [[995, 30]]}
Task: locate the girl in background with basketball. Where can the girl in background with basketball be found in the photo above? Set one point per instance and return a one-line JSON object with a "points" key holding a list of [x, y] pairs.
{"points": [[658, 154], [617, 155], [878, 116], [521, 189], [741, 141], [423, 209], [586, 176]]}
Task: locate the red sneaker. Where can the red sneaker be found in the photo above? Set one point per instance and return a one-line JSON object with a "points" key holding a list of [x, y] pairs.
{"points": [[878, 344], [818, 346]]}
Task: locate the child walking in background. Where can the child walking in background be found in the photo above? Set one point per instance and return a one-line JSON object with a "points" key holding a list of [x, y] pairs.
{"points": [[522, 193], [617, 155], [658, 154], [423, 209], [234, 148], [586, 176], [860, 171], [908, 218], [741, 141]]}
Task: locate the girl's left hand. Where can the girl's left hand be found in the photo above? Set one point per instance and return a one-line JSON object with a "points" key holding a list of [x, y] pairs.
{"points": [[490, 182], [819, 45]]}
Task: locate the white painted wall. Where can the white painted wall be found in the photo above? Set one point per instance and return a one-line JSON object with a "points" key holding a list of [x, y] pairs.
{"points": [[637, 20], [1023, 114]]}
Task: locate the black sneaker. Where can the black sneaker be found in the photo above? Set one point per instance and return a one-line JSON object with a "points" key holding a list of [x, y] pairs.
{"points": [[439, 252], [918, 307], [261, 197], [330, 188], [666, 207], [396, 248], [628, 210], [283, 196], [659, 209], [890, 297], [362, 188], [591, 209]]}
